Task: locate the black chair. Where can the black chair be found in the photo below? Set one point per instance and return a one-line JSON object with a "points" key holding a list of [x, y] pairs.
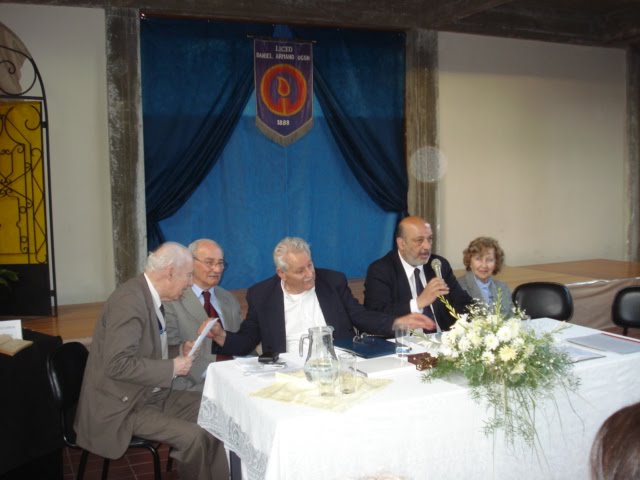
{"points": [[625, 311], [65, 369], [544, 299]]}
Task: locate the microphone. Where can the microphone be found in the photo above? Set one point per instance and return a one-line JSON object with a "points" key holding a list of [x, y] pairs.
{"points": [[436, 264]]}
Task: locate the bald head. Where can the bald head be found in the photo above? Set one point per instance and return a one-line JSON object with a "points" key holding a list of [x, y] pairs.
{"points": [[209, 263], [413, 239]]}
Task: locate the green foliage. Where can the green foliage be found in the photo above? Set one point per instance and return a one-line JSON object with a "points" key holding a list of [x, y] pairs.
{"points": [[508, 366]]}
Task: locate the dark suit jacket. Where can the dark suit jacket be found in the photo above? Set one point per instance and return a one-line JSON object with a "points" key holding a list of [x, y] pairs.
{"points": [[386, 289], [265, 319], [125, 364]]}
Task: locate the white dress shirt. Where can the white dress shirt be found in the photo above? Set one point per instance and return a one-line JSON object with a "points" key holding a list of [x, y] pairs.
{"points": [[301, 312], [413, 303], [214, 300]]}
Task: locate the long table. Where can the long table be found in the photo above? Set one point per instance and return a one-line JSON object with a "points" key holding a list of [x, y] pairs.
{"points": [[411, 429]]}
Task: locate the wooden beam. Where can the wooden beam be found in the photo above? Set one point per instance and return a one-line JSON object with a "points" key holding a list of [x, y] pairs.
{"points": [[633, 153], [621, 26], [437, 13], [540, 23], [125, 142]]}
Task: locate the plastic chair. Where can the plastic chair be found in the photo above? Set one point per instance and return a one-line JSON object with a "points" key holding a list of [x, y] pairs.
{"points": [[625, 311], [544, 299], [65, 369]]}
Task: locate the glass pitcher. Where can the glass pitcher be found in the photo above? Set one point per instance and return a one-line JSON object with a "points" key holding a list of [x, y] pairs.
{"points": [[321, 365]]}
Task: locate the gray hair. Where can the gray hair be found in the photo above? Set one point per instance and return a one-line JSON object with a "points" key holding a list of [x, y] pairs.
{"points": [[286, 245], [193, 246], [166, 255]]}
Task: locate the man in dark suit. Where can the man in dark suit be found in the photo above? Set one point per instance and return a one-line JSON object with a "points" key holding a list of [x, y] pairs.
{"points": [[205, 299], [299, 297], [392, 284], [126, 387]]}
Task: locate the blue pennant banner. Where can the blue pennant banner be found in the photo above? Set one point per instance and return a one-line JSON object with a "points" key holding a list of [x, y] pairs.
{"points": [[284, 89]]}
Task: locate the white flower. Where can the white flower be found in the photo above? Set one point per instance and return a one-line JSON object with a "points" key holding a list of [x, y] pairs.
{"points": [[505, 333], [475, 338], [464, 345], [518, 369], [515, 325], [491, 341], [507, 353], [448, 339], [446, 350], [488, 358]]}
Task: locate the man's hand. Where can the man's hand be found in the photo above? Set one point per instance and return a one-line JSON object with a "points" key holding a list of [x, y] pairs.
{"points": [[217, 333], [435, 288], [413, 321], [182, 365], [187, 346]]}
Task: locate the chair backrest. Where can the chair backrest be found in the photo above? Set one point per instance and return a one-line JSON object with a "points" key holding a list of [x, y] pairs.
{"points": [[544, 299], [65, 369], [625, 310]]}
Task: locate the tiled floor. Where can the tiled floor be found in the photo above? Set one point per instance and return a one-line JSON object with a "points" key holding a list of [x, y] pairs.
{"points": [[137, 464]]}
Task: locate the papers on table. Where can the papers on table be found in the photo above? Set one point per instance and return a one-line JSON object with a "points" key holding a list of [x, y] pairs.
{"points": [[382, 366], [13, 328], [578, 354], [607, 343]]}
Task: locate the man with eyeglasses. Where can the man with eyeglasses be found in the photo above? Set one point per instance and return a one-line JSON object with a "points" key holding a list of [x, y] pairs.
{"points": [[127, 385], [298, 297], [412, 279], [205, 299]]}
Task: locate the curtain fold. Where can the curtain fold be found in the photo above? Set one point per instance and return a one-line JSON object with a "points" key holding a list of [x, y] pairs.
{"points": [[196, 81], [211, 173], [359, 80]]}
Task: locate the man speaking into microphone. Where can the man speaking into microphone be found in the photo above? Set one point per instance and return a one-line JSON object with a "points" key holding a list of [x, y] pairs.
{"points": [[411, 279]]}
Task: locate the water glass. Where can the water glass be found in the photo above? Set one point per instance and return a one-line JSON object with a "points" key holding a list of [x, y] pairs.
{"points": [[348, 377], [402, 341], [325, 373]]}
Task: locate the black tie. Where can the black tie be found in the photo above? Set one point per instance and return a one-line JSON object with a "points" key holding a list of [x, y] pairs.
{"points": [[419, 286], [159, 322], [419, 289]]}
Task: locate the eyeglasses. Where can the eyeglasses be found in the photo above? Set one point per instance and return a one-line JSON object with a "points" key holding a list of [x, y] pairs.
{"points": [[366, 338], [213, 263]]}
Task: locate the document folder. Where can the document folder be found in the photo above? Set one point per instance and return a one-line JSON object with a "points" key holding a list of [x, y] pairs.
{"points": [[369, 347], [608, 343]]}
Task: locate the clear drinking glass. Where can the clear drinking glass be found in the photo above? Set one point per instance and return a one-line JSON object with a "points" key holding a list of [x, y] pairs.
{"points": [[348, 377], [403, 345]]}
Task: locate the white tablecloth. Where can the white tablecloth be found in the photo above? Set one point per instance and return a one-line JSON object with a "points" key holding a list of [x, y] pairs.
{"points": [[411, 429]]}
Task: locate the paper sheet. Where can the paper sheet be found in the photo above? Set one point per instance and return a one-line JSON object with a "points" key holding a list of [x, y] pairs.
{"points": [[202, 336]]}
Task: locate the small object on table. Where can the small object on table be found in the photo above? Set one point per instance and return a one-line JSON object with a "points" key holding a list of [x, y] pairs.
{"points": [[423, 361]]}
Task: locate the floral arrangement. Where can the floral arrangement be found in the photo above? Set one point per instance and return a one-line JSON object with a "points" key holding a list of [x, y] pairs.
{"points": [[509, 366]]}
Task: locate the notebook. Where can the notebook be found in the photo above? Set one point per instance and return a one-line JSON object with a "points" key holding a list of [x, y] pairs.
{"points": [[371, 347]]}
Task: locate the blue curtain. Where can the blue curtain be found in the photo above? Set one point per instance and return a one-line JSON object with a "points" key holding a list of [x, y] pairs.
{"points": [[196, 81], [342, 192], [359, 81]]}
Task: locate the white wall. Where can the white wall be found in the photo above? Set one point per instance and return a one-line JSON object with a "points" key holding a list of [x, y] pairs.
{"points": [[68, 45], [534, 136], [533, 133]]}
